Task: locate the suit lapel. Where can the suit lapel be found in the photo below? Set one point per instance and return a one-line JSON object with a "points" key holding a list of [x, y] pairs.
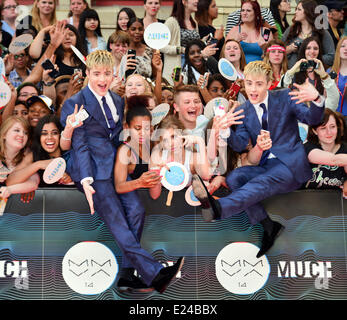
{"points": [[93, 107]]}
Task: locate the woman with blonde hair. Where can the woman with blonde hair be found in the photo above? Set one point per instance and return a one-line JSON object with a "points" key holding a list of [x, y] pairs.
{"points": [[275, 55], [43, 14], [13, 147], [340, 68]]}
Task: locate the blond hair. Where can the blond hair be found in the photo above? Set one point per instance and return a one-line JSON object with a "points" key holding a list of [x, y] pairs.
{"points": [[5, 127], [36, 20], [100, 58], [259, 68], [337, 60]]}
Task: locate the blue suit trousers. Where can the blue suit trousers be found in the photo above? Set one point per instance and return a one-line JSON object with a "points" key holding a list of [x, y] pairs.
{"points": [[252, 184]]}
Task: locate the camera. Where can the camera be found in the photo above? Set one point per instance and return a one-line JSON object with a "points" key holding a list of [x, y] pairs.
{"points": [[298, 43], [308, 64]]}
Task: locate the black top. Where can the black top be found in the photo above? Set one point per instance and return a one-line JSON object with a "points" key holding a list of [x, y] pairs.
{"points": [[204, 31], [140, 167], [325, 177]]}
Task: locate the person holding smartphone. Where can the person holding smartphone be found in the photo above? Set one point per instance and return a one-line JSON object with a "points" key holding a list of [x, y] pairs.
{"points": [[251, 32]]}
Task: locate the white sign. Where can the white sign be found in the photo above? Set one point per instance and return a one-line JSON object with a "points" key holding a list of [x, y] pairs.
{"points": [[157, 35], [239, 270], [20, 43], [54, 171], [216, 107], [89, 268], [159, 113], [5, 94], [176, 178]]}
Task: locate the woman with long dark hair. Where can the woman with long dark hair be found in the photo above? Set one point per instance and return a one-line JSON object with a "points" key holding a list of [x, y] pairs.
{"points": [[123, 17], [207, 12], [311, 50], [303, 27], [279, 10], [251, 32], [183, 29], [45, 147], [90, 31]]}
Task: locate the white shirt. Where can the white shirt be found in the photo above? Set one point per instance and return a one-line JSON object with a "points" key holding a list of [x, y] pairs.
{"points": [[114, 113]]}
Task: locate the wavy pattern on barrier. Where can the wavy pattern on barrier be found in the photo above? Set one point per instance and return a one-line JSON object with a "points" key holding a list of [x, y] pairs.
{"points": [[306, 238]]}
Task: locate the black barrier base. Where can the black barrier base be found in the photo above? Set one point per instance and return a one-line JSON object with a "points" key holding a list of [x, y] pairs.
{"points": [[308, 260]]}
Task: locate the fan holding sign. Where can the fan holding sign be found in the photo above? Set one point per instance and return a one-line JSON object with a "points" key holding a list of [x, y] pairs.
{"points": [[183, 155]]}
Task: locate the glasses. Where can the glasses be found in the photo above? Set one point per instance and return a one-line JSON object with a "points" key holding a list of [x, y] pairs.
{"points": [[17, 56], [10, 7]]}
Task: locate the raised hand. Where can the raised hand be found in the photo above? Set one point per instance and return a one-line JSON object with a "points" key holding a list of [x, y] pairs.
{"points": [[306, 92]]}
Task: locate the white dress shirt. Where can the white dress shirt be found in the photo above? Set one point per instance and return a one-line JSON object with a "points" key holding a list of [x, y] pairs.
{"points": [[114, 113]]}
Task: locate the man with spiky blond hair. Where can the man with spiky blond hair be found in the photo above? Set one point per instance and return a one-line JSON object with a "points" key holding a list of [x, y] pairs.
{"points": [[282, 168], [94, 146]]}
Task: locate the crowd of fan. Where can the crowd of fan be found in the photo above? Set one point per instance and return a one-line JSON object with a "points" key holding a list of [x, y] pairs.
{"points": [[31, 134]]}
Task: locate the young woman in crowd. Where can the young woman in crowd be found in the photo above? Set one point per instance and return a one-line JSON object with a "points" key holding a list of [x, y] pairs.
{"points": [[76, 9], [340, 68], [136, 85], [183, 29], [9, 13], [275, 55], [251, 32], [303, 27], [207, 12], [14, 135], [188, 150], [327, 154], [123, 17], [144, 54], [89, 30], [45, 147], [311, 50], [134, 154], [43, 14], [151, 10], [279, 10]]}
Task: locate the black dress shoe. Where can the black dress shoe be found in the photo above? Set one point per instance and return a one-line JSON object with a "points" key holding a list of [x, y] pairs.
{"points": [[269, 238], [133, 284], [165, 275], [211, 209]]}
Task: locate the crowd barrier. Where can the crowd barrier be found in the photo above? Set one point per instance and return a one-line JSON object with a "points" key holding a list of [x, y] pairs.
{"points": [[53, 248]]}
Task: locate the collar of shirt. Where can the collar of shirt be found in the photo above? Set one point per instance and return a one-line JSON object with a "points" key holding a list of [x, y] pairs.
{"points": [[97, 96], [258, 109]]}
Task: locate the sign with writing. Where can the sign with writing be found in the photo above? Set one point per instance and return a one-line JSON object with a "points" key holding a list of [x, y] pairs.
{"points": [[5, 94], [216, 107], [157, 35], [20, 43], [159, 113], [176, 178], [54, 171]]}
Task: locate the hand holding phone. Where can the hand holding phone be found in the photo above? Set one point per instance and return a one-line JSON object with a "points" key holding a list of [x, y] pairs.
{"points": [[48, 65]]}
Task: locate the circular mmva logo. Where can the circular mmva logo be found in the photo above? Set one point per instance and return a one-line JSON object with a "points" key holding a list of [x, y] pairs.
{"points": [[89, 268], [238, 269]]}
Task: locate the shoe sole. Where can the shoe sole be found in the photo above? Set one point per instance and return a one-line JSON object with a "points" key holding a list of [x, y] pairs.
{"points": [[178, 270], [277, 235]]}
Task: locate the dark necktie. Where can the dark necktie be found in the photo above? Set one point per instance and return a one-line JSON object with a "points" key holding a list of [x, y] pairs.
{"points": [[108, 113], [264, 123], [264, 126]]}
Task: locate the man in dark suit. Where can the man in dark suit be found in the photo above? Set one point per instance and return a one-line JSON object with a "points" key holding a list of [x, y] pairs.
{"points": [[94, 146], [283, 168]]}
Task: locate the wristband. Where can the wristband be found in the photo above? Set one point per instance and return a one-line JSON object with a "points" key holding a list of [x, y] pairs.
{"points": [[62, 136], [315, 100], [325, 77]]}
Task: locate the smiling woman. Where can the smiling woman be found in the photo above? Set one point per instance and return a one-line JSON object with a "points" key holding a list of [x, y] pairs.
{"points": [[45, 147]]}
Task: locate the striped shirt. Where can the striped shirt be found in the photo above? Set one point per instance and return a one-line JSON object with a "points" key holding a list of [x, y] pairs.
{"points": [[234, 19]]}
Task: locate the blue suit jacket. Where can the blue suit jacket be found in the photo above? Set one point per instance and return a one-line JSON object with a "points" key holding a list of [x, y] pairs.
{"points": [[93, 144], [283, 116]]}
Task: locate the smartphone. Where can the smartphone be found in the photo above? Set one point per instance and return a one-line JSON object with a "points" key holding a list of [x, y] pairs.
{"points": [[131, 52], [266, 35], [48, 65], [235, 88], [205, 80], [211, 40], [177, 74], [76, 73]]}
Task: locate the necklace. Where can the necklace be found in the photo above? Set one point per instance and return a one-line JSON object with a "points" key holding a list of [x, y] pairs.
{"points": [[305, 35]]}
